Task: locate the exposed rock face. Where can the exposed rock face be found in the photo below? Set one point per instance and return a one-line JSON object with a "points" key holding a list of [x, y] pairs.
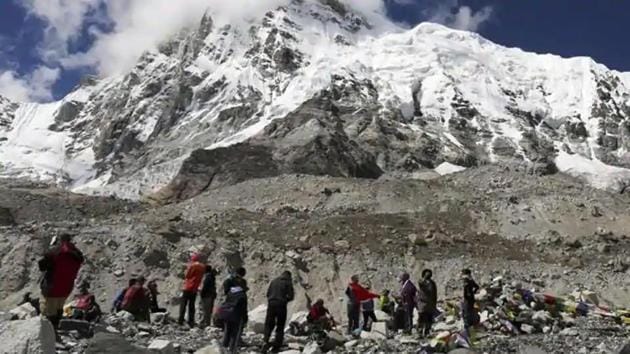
{"points": [[31, 336]]}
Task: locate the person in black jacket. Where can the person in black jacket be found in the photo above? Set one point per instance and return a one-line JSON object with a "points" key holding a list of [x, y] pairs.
{"points": [[427, 302], [469, 314], [279, 294], [153, 294], [208, 294], [235, 309]]}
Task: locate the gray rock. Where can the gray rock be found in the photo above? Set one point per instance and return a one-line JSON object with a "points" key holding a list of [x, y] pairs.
{"points": [[161, 346], [109, 343], [312, 348], [213, 348], [624, 349], [333, 340], [527, 349], [32, 336], [23, 312], [256, 319], [6, 217], [84, 328]]}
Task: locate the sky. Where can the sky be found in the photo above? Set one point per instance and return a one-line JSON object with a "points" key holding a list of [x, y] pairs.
{"points": [[47, 46]]}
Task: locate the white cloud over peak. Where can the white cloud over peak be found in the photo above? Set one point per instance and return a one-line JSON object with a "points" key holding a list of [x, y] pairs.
{"points": [[33, 87], [134, 26], [451, 14]]}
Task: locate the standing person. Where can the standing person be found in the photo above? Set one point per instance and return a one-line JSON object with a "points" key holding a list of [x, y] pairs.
{"points": [[427, 302], [208, 294], [408, 292], [120, 296], [153, 294], [469, 314], [137, 302], [279, 294], [369, 316], [192, 280], [355, 293], [234, 310], [60, 266]]}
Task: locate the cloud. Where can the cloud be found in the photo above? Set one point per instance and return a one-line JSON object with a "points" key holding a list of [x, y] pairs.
{"points": [[33, 87], [139, 25], [451, 14], [64, 21], [134, 26]]}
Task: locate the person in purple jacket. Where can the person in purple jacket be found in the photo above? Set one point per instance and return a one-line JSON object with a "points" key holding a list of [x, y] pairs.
{"points": [[408, 292]]}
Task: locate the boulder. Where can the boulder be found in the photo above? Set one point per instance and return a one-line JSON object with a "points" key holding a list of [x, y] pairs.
{"points": [[213, 348], [312, 348], [417, 240], [342, 245], [299, 317], [624, 349], [381, 316], [256, 319], [31, 336], [23, 312], [159, 317], [109, 343], [6, 218], [84, 328], [378, 332], [333, 340], [525, 328], [528, 349], [161, 346], [542, 317]]}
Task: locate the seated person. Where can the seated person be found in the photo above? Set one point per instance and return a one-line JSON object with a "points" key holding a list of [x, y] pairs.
{"points": [[136, 301], [120, 296], [386, 304], [85, 306], [319, 316]]}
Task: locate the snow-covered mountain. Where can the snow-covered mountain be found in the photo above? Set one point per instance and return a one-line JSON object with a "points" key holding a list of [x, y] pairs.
{"points": [[313, 87]]}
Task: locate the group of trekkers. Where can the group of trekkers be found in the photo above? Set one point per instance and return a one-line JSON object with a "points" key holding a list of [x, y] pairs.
{"points": [[410, 298], [60, 267]]}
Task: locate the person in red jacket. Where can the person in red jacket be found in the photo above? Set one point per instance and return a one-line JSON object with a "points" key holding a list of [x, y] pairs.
{"points": [[355, 294], [60, 266], [192, 280], [137, 302]]}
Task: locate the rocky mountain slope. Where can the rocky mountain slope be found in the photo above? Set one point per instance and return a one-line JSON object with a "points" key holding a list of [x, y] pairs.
{"points": [[314, 87], [553, 233]]}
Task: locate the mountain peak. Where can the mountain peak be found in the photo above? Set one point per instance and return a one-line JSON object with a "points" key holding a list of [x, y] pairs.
{"points": [[313, 87]]}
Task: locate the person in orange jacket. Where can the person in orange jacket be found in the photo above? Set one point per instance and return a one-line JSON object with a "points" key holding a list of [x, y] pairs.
{"points": [[192, 280]]}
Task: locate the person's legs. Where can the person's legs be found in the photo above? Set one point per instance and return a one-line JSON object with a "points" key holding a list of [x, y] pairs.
{"points": [[182, 308], [366, 319], [354, 319], [227, 333], [270, 323], [191, 308], [281, 319], [207, 305], [409, 322], [372, 318]]}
